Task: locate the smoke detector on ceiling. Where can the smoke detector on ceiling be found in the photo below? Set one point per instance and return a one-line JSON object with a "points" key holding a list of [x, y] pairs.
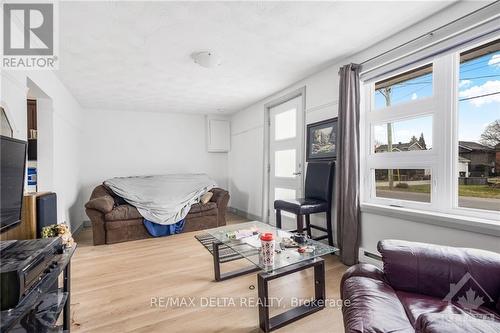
{"points": [[206, 59]]}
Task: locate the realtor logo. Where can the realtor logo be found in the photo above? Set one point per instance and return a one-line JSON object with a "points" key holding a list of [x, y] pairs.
{"points": [[29, 37], [38, 19], [471, 299]]}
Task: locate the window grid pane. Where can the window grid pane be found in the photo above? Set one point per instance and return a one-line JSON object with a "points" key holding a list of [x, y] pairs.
{"points": [[403, 184], [284, 163], [285, 125], [405, 87], [405, 135], [478, 164]]}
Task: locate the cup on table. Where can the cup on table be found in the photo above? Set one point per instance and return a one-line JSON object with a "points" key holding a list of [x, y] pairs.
{"points": [[267, 248]]}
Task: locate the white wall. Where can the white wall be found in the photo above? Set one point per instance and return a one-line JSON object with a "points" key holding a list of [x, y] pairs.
{"points": [[246, 157], [376, 227], [127, 143], [13, 99], [61, 175]]}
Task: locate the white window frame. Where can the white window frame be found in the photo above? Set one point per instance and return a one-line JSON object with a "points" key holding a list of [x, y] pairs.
{"points": [[442, 159]]}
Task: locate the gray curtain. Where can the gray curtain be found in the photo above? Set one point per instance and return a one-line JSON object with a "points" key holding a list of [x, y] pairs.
{"points": [[347, 168]]}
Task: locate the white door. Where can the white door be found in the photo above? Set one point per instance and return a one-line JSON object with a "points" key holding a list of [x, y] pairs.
{"points": [[286, 127]]}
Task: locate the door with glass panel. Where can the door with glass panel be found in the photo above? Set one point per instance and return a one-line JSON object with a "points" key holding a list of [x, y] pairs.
{"points": [[285, 156]]}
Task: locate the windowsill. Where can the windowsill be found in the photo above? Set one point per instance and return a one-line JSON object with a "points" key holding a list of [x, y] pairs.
{"points": [[478, 225]]}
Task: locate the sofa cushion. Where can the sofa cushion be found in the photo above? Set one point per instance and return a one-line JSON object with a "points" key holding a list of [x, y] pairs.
{"points": [[200, 222], [455, 323], [417, 305], [125, 230], [206, 197], [124, 224], [198, 208], [103, 204], [123, 212]]}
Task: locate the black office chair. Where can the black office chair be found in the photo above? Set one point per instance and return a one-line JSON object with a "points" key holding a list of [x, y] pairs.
{"points": [[318, 199]]}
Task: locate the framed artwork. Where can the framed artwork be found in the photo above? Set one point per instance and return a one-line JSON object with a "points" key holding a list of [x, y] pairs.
{"points": [[6, 129], [322, 140]]}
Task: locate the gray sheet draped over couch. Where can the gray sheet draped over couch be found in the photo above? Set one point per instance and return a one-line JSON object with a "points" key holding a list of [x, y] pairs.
{"points": [[347, 181], [163, 199]]}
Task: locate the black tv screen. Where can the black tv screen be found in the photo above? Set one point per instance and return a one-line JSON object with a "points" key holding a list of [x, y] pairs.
{"points": [[12, 166]]}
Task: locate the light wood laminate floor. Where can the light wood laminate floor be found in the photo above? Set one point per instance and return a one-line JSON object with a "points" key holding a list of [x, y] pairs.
{"points": [[112, 288]]}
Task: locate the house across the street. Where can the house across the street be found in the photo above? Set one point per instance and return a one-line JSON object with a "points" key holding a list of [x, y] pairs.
{"points": [[401, 146], [482, 158]]}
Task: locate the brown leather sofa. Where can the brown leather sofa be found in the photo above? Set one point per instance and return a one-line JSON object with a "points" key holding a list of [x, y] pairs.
{"points": [[114, 221]]}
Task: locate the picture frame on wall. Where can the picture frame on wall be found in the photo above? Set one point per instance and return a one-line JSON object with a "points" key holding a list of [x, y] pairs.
{"points": [[322, 140]]}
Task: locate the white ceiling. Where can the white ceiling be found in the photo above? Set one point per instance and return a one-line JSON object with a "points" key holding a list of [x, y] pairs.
{"points": [[136, 55]]}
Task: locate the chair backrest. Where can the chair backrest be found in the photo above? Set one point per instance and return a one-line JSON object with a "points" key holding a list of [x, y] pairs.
{"points": [[319, 180]]}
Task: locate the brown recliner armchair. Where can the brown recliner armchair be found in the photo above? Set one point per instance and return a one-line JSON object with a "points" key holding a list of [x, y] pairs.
{"points": [[114, 221]]}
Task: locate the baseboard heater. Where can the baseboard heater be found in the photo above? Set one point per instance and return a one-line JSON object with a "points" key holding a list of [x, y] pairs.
{"points": [[368, 257]]}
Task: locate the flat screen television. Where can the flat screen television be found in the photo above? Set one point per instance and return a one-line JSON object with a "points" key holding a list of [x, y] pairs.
{"points": [[12, 168]]}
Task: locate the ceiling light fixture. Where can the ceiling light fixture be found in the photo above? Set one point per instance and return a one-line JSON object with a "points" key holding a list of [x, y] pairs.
{"points": [[206, 59]]}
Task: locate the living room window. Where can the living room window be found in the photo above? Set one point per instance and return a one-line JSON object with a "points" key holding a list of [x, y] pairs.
{"points": [[478, 162], [432, 135], [400, 123]]}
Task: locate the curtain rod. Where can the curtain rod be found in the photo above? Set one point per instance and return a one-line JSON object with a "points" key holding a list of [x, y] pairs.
{"points": [[430, 33]]}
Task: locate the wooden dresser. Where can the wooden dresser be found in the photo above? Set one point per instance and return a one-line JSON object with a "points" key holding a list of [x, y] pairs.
{"points": [[27, 228]]}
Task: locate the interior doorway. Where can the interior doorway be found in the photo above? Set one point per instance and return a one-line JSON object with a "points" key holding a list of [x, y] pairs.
{"points": [[285, 154], [40, 134], [32, 131]]}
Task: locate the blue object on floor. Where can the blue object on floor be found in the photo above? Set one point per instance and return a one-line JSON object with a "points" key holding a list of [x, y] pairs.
{"points": [[160, 230]]}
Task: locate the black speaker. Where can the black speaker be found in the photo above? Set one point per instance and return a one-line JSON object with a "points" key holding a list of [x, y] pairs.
{"points": [[46, 212], [32, 150]]}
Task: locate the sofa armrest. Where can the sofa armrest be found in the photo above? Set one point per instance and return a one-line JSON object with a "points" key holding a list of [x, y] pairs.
{"points": [[362, 270], [98, 230], [218, 194], [221, 198], [430, 269], [370, 304], [99, 204], [104, 204]]}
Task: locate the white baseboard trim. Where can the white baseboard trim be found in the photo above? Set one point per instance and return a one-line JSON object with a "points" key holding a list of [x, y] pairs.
{"points": [[84, 224], [244, 214]]}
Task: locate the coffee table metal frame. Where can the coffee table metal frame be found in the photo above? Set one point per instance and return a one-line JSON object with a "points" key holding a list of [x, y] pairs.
{"points": [[224, 276], [266, 323]]}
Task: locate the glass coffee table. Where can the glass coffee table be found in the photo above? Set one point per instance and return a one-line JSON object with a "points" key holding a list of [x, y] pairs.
{"points": [[244, 239]]}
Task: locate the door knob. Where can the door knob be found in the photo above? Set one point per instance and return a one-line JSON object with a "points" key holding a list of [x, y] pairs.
{"points": [[297, 173]]}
